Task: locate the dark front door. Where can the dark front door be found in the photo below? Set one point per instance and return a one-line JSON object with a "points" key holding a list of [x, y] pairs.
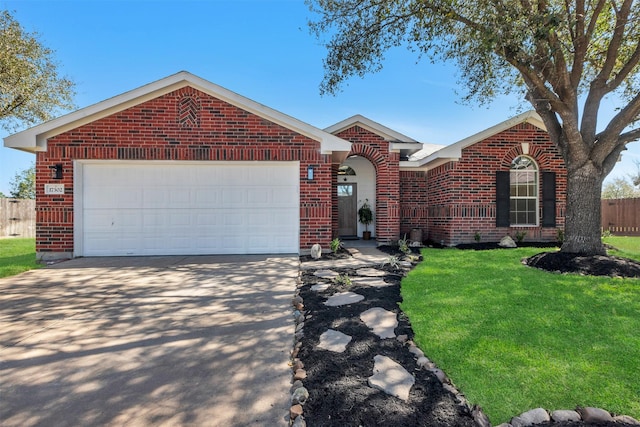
{"points": [[347, 210]]}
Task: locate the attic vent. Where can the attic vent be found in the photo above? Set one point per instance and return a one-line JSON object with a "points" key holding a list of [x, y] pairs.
{"points": [[189, 112]]}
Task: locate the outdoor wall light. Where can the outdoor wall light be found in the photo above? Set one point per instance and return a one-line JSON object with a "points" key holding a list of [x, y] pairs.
{"points": [[56, 171], [310, 173]]}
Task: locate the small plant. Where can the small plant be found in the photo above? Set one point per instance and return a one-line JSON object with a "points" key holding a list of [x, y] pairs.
{"points": [[560, 236], [606, 233], [336, 245], [477, 236], [520, 235], [342, 279], [393, 261], [365, 217], [403, 245]]}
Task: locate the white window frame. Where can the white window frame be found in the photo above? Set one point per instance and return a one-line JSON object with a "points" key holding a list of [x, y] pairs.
{"points": [[517, 184]]}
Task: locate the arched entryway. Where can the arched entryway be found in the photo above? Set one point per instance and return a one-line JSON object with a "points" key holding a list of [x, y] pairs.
{"points": [[356, 183]]}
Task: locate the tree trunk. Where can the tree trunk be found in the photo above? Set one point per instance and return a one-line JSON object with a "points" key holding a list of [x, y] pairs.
{"points": [[582, 230]]}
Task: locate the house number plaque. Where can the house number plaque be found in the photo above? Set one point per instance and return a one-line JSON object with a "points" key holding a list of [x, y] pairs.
{"points": [[54, 189]]}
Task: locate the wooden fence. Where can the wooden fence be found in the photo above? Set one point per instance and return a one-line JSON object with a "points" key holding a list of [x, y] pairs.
{"points": [[621, 216], [17, 218]]}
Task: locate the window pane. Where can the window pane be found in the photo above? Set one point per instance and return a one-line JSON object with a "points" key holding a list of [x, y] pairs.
{"points": [[523, 191], [345, 190]]}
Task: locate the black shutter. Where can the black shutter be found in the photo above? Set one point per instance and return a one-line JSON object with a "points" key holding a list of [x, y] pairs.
{"points": [[548, 199], [502, 199]]}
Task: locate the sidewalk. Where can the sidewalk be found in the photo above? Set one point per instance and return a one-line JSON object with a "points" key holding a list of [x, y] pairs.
{"points": [[363, 253]]}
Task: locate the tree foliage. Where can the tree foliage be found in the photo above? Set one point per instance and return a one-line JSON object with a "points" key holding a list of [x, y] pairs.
{"points": [[565, 57], [31, 90], [23, 184], [635, 178], [620, 188]]}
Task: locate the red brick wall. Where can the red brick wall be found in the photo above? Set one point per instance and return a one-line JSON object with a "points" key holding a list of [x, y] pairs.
{"points": [[461, 195], [183, 125], [376, 150], [414, 202]]}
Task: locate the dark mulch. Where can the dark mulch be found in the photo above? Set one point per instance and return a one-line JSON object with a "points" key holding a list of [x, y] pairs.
{"points": [[337, 382], [596, 265], [340, 254]]}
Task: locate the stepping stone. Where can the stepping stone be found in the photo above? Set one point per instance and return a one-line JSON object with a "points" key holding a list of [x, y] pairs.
{"points": [[371, 272], [391, 378], [326, 274], [334, 341], [381, 321], [368, 281], [343, 298], [320, 288]]}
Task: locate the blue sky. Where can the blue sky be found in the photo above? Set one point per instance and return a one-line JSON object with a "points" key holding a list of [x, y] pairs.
{"points": [[260, 49]]}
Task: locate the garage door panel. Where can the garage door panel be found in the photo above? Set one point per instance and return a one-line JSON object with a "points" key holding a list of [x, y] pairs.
{"points": [[257, 220], [284, 197], [206, 197], [154, 198], [258, 196], [233, 197], [115, 197], [151, 209], [108, 220], [206, 219], [105, 246]]}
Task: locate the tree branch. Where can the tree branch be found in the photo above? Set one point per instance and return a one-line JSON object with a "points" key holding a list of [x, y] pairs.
{"points": [[616, 41], [630, 136], [625, 70], [579, 40], [612, 135], [597, 89]]}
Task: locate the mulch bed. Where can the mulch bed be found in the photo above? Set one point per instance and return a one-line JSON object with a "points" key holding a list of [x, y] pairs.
{"points": [[339, 394], [596, 265]]}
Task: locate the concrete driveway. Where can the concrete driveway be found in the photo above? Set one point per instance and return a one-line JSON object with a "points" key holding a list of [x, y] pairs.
{"points": [[163, 341]]}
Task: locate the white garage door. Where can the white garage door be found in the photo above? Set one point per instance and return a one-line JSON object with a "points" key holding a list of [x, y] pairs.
{"points": [[188, 208]]}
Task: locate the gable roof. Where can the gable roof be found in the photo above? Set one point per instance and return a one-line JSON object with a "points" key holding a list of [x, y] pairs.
{"points": [[35, 139], [453, 152], [398, 141]]}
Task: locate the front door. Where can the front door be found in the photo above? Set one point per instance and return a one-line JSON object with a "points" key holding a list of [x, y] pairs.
{"points": [[347, 210]]}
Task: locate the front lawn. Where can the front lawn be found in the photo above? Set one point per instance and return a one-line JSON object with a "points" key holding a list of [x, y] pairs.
{"points": [[16, 256], [625, 246], [513, 338]]}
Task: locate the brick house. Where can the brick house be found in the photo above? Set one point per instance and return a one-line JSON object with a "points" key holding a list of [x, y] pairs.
{"points": [[183, 166]]}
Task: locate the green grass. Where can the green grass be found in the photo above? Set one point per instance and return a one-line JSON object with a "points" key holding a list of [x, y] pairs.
{"points": [[514, 338], [16, 256], [625, 246]]}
